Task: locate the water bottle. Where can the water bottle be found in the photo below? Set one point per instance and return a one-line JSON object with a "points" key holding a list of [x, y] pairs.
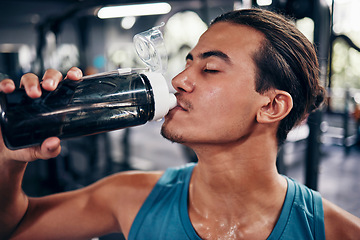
{"points": [[96, 103]]}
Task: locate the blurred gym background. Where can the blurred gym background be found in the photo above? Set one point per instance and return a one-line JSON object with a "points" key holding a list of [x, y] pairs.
{"points": [[323, 153]]}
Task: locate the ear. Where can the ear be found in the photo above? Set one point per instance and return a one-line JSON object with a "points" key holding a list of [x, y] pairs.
{"points": [[279, 104]]}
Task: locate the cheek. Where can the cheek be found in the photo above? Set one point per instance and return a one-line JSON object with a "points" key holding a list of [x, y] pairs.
{"points": [[229, 109], [223, 103], [216, 100]]}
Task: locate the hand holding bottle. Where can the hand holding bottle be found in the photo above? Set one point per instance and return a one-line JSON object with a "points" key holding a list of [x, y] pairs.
{"points": [[30, 82]]}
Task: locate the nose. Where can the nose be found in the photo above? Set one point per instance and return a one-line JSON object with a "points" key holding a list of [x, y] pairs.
{"points": [[183, 82]]}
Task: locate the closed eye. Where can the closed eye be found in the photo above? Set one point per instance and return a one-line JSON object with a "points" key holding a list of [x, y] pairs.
{"points": [[211, 71]]}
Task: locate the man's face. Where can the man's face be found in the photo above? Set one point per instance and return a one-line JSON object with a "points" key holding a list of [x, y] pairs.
{"points": [[217, 101]]}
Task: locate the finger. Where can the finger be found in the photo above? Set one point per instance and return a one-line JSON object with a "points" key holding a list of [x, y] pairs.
{"points": [[32, 153], [51, 79], [74, 73], [7, 86], [50, 148], [31, 84]]}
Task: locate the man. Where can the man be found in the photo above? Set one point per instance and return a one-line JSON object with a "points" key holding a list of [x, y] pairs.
{"points": [[250, 78]]}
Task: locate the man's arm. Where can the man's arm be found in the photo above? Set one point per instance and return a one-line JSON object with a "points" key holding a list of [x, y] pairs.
{"points": [[339, 224], [110, 205], [93, 211], [13, 202], [79, 214]]}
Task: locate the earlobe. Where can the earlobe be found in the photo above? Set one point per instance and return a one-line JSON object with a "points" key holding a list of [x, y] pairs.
{"points": [[278, 107]]}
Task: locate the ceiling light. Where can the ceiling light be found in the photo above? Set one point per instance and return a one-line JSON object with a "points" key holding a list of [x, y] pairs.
{"points": [[134, 10]]}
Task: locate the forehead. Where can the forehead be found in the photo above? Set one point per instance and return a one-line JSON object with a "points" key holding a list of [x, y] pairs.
{"points": [[235, 40]]}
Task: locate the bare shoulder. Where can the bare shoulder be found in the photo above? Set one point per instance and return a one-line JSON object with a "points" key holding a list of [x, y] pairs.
{"points": [[130, 185], [340, 224], [133, 179]]}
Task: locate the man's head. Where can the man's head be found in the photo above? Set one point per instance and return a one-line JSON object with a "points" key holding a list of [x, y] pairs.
{"points": [[286, 61], [249, 68]]}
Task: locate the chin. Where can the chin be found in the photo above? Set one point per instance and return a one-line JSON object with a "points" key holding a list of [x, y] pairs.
{"points": [[171, 135]]}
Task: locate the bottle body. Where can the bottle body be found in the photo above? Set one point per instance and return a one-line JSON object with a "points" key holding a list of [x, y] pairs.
{"points": [[77, 108]]}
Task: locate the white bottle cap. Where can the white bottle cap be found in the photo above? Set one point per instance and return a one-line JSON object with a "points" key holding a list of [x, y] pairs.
{"points": [[163, 100]]}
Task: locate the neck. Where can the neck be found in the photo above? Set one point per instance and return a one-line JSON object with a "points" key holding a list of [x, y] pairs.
{"points": [[231, 175]]}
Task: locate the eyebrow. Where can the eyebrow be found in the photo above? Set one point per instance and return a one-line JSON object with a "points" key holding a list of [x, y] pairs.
{"points": [[215, 53]]}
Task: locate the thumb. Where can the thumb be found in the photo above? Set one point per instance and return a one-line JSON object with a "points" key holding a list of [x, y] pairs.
{"points": [[50, 148]]}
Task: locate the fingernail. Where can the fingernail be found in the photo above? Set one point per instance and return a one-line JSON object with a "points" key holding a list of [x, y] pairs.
{"points": [[9, 85], [34, 89], [49, 82], [78, 74]]}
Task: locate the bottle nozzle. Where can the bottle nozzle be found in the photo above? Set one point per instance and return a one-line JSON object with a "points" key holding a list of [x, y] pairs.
{"points": [[172, 101]]}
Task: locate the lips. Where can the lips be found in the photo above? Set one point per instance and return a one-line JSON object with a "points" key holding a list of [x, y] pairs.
{"points": [[182, 103], [181, 106]]}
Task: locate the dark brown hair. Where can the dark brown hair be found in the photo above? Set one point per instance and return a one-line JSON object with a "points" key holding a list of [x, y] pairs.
{"points": [[286, 61]]}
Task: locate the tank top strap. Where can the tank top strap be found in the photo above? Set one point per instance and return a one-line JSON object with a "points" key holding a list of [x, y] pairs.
{"points": [[319, 216], [159, 215], [302, 215], [176, 175]]}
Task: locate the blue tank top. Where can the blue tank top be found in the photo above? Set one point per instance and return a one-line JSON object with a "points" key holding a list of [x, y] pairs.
{"points": [[164, 214]]}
